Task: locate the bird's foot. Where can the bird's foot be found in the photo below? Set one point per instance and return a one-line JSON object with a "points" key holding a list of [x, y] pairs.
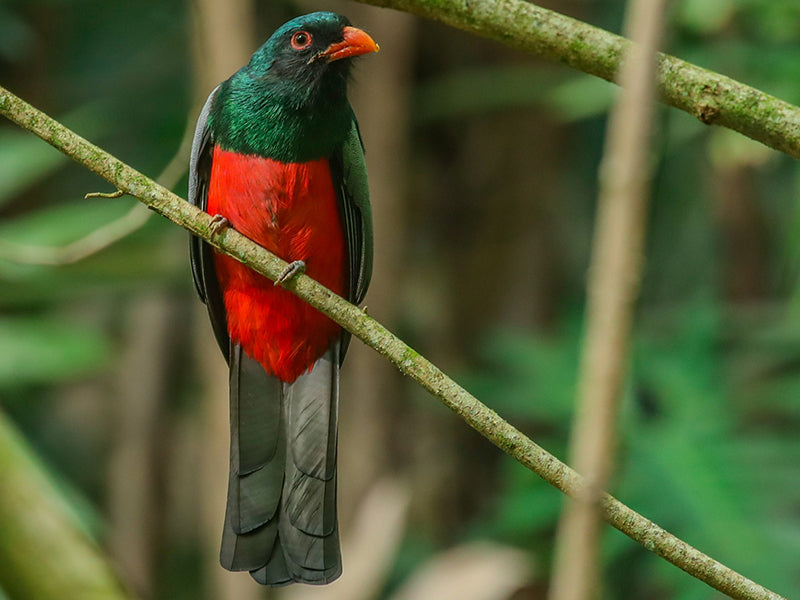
{"points": [[218, 224], [292, 270]]}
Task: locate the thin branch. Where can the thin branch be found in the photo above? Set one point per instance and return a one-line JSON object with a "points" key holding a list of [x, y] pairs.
{"points": [[477, 415], [615, 273], [711, 97]]}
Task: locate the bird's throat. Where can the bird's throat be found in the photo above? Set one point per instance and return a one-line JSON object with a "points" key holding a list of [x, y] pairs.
{"points": [[250, 117]]}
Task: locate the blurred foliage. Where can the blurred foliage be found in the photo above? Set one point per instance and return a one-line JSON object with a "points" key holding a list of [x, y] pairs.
{"points": [[709, 446], [37, 351], [693, 456]]}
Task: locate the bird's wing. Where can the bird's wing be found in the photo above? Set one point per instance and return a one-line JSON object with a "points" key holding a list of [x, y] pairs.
{"points": [[258, 440], [200, 253], [350, 179]]}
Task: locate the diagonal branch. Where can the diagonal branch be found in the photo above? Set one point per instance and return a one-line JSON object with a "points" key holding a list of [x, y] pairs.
{"points": [[711, 97], [477, 415]]}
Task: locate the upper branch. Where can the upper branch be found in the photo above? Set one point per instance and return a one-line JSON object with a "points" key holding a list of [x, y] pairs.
{"points": [[711, 97]]}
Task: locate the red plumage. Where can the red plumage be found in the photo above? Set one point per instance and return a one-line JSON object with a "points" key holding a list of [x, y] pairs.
{"points": [[290, 209]]}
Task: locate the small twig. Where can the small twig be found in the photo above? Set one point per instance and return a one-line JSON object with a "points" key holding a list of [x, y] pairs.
{"points": [[117, 194]]}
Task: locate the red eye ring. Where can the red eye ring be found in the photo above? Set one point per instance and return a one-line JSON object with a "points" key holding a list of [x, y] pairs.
{"points": [[301, 40]]}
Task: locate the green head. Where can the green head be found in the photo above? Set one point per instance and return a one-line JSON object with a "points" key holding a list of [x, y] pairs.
{"points": [[289, 103]]}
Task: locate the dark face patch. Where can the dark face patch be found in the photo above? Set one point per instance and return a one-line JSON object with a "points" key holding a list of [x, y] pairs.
{"points": [[297, 50]]}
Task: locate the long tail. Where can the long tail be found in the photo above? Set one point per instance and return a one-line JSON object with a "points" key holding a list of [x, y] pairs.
{"points": [[280, 522]]}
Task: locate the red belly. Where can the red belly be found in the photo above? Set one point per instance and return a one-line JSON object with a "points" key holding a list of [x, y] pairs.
{"points": [[291, 210]]}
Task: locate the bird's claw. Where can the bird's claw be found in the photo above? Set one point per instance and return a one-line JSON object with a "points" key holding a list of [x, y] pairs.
{"points": [[218, 224], [292, 270]]}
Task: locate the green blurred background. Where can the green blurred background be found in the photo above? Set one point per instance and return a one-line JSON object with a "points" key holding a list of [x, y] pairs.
{"points": [[483, 166]]}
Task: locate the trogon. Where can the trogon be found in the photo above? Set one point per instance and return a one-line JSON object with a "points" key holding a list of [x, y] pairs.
{"points": [[277, 155]]}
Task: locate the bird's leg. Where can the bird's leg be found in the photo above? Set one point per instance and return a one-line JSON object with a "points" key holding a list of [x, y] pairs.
{"points": [[218, 223], [292, 270]]}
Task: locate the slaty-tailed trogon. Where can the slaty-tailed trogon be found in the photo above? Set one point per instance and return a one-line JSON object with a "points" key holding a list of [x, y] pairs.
{"points": [[277, 155]]}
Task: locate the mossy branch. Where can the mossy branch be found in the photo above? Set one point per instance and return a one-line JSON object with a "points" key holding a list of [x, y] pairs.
{"points": [[708, 96], [477, 415]]}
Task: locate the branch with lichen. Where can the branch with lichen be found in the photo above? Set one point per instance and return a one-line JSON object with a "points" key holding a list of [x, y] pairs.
{"points": [[477, 415], [712, 98]]}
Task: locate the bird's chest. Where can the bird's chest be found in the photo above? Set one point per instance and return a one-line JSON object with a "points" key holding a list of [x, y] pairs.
{"points": [[289, 208]]}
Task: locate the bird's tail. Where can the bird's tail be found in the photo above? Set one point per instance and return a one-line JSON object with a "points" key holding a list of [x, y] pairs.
{"points": [[280, 522]]}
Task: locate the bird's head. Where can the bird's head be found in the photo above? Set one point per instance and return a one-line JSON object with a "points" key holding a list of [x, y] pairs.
{"points": [[310, 54], [290, 102]]}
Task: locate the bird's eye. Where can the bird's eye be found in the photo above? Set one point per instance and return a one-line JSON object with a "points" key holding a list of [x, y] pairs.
{"points": [[301, 40]]}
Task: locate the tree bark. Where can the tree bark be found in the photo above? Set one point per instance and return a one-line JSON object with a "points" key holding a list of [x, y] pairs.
{"points": [[133, 496]]}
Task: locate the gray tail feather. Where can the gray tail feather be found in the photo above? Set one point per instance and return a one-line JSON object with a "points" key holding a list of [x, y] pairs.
{"points": [[280, 522]]}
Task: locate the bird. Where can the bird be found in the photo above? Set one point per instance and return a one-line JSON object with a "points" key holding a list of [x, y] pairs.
{"points": [[278, 156]]}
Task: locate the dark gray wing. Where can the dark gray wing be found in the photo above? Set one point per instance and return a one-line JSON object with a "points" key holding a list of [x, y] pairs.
{"points": [[349, 173], [200, 253]]}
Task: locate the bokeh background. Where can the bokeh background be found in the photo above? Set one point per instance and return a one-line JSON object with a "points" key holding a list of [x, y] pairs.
{"points": [[483, 166]]}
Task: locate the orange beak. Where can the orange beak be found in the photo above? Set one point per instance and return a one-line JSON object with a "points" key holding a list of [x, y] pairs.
{"points": [[355, 43]]}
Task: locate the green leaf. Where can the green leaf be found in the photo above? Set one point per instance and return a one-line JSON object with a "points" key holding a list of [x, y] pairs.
{"points": [[581, 97], [705, 16], [45, 351], [530, 377], [65, 222]]}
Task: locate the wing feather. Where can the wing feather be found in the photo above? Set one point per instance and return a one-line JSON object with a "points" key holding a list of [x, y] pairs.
{"points": [[200, 253], [349, 172]]}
